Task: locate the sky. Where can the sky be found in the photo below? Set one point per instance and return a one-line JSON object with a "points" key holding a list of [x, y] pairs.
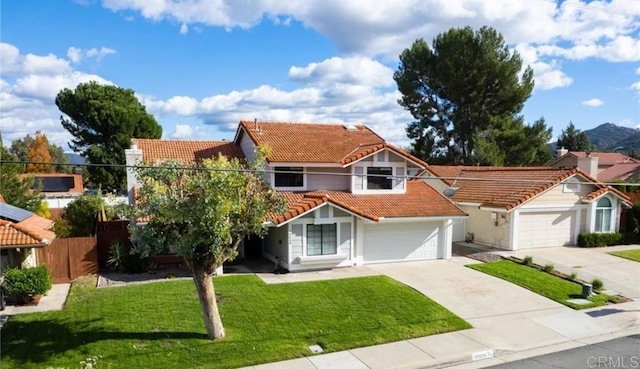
{"points": [[201, 66]]}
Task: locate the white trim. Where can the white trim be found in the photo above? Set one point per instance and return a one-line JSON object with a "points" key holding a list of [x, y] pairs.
{"points": [[552, 208], [304, 164], [514, 231], [366, 220], [396, 188], [495, 210], [419, 219], [462, 203], [321, 259], [388, 149]]}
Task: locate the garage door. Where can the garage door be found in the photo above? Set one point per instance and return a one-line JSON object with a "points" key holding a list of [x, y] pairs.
{"points": [[400, 241], [546, 229]]}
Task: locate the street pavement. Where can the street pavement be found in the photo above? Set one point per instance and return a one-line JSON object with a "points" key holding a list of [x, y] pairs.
{"points": [[621, 352]]}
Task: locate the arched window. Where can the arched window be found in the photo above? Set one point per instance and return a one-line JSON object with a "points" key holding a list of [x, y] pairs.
{"points": [[603, 215]]}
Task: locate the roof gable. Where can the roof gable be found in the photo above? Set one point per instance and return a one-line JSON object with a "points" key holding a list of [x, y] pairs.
{"points": [[308, 142], [604, 158], [508, 188], [420, 200]]}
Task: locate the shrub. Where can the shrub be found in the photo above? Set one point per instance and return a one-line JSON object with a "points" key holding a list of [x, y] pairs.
{"points": [[117, 256], [29, 281], [599, 239], [548, 268], [597, 284], [573, 275], [528, 260], [80, 214]]}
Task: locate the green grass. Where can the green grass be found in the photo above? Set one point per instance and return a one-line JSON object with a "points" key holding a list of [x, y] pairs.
{"points": [[159, 325], [545, 284], [628, 254]]}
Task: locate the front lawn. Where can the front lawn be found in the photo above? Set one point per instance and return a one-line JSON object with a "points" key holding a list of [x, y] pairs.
{"points": [[542, 283], [628, 254], [159, 325]]}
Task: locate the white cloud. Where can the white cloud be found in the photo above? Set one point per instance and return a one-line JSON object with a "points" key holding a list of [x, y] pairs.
{"points": [[74, 54], [182, 131], [354, 70], [100, 53], [594, 103], [184, 29], [28, 88]]}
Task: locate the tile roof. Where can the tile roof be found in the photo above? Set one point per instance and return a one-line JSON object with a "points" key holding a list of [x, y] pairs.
{"points": [[619, 171], [33, 231], [310, 142], [507, 188], [604, 158], [367, 150], [420, 200], [185, 150]]}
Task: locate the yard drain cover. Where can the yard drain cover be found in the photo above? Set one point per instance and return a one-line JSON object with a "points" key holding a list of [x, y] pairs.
{"points": [[316, 349], [579, 301]]}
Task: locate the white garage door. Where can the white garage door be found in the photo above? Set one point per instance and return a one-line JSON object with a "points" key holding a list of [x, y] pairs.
{"points": [[546, 229], [400, 241]]}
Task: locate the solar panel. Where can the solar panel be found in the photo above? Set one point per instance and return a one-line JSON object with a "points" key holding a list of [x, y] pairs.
{"points": [[13, 213], [53, 184]]}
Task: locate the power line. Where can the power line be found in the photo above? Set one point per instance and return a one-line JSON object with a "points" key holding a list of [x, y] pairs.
{"points": [[322, 173], [583, 6]]}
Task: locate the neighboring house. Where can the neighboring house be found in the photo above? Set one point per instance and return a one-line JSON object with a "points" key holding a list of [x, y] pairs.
{"points": [[350, 196], [604, 166], [518, 208], [21, 232], [59, 189]]}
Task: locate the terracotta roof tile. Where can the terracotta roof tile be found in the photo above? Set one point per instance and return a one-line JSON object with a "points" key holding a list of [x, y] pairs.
{"points": [[187, 151], [619, 171], [420, 200], [367, 150], [507, 187], [309, 142], [33, 231], [605, 158]]}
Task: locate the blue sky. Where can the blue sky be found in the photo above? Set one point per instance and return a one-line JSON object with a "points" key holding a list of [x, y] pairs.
{"points": [[202, 65]]}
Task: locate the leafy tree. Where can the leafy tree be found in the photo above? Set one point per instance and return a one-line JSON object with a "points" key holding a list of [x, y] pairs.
{"points": [[39, 153], [79, 216], [205, 212], [15, 188], [20, 148], [103, 119], [464, 88], [574, 139]]}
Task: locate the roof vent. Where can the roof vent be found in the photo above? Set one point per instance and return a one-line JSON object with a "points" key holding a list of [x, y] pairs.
{"points": [[450, 191]]}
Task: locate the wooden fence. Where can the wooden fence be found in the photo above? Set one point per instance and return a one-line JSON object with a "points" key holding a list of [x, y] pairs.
{"points": [[109, 232], [70, 258]]}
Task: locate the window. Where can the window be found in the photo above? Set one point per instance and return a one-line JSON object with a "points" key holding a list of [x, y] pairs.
{"points": [[289, 177], [379, 178], [321, 239], [603, 215]]}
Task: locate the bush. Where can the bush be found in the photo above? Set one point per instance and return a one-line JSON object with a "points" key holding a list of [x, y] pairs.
{"points": [[528, 260], [573, 275], [117, 257], [80, 214], [29, 281], [597, 284], [599, 239], [548, 268]]}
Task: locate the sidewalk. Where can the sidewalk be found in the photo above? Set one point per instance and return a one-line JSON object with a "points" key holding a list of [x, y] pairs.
{"points": [[515, 337], [53, 300]]}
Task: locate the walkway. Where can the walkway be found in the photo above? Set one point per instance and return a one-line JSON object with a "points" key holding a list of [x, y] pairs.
{"points": [[53, 300]]}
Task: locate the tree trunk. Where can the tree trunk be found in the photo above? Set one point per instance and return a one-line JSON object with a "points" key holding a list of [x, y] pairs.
{"points": [[208, 303]]}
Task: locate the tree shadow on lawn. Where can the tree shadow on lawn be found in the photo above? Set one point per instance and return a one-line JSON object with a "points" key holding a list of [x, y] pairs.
{"points": [[38, 341]]}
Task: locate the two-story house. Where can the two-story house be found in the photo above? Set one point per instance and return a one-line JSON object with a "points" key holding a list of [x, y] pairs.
{"points": [[350, 195]]}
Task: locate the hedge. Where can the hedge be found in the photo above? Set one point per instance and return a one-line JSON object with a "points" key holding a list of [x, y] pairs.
{"points": [[599, 239], [29, 281]]}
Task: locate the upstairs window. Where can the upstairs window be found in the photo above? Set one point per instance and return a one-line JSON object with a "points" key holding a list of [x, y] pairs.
{"points": [[379, 178], [603, 215], [289, 177]]}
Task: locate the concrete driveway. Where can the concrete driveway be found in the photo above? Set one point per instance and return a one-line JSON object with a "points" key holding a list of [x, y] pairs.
{"points": [[618, 274], [470, 294]]}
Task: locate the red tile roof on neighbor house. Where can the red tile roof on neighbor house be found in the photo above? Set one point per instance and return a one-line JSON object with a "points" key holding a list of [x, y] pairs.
{"points": [[620, 171], [605, 159], [317, 143], [420, 200], [185, 150], [33, 232], [507, 188]]}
